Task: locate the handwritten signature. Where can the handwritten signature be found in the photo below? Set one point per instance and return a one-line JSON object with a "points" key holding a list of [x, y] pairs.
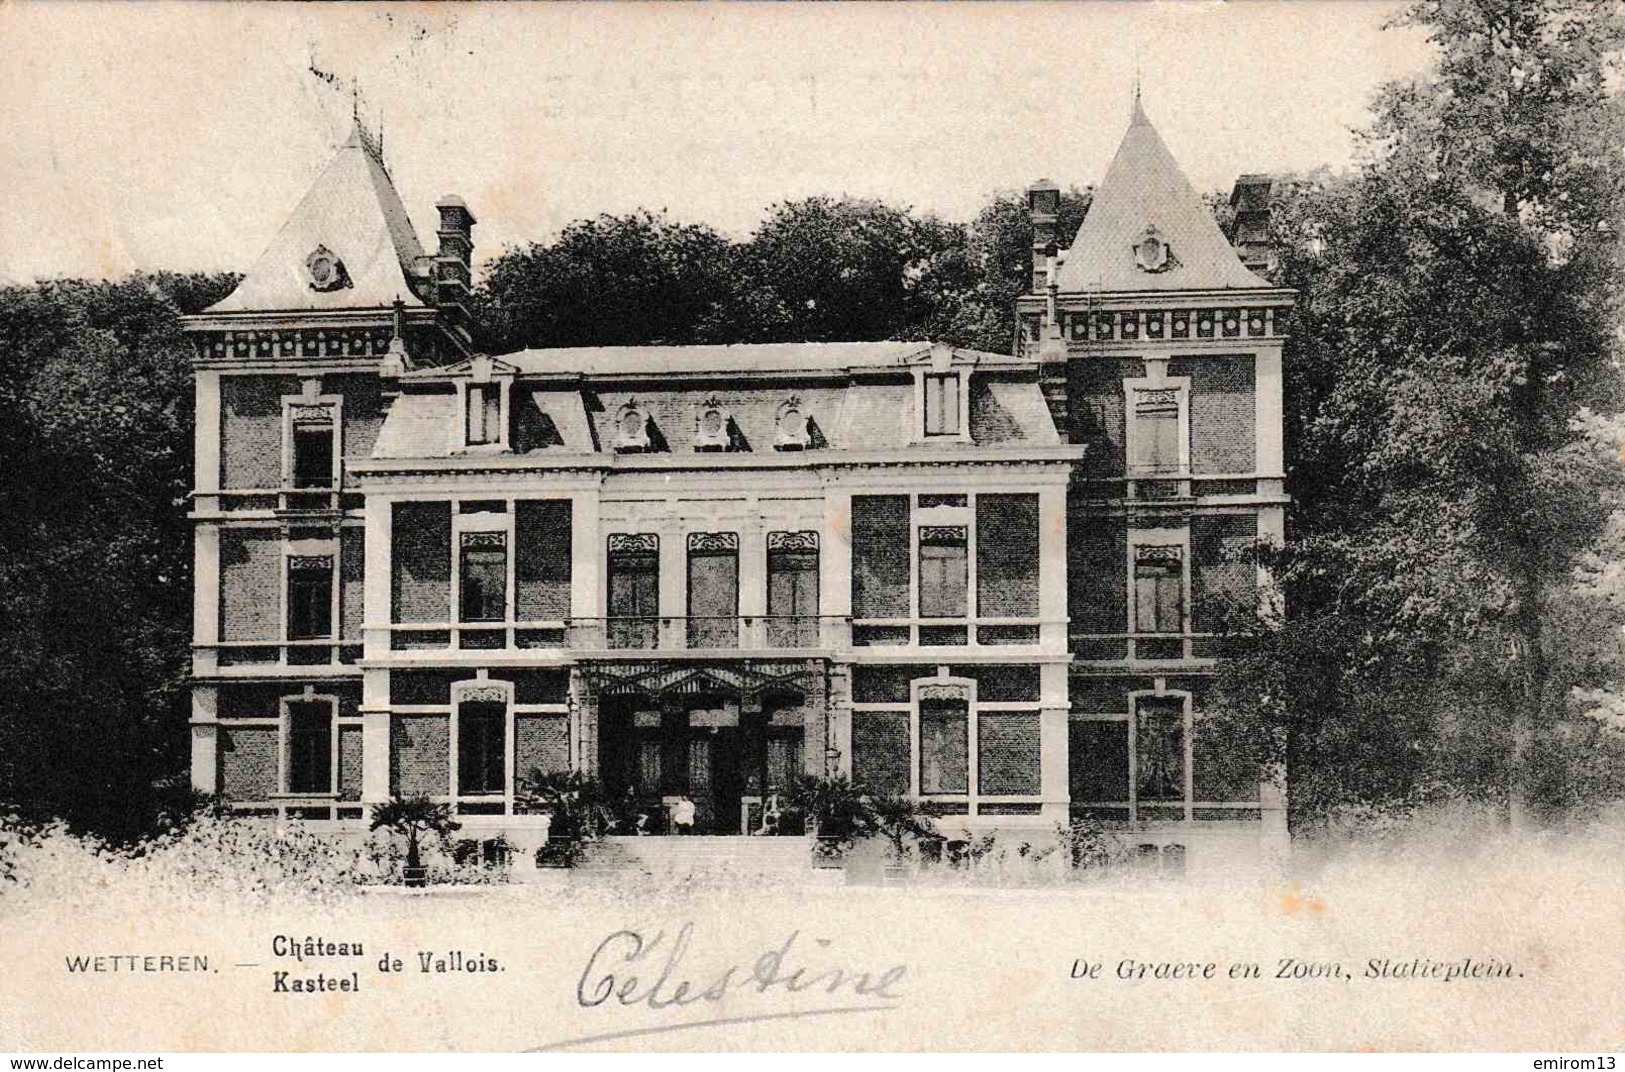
{"points": [[634, 969]]}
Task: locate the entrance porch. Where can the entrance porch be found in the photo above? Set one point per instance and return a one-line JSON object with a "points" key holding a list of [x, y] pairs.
{"points": [[731, 739]]}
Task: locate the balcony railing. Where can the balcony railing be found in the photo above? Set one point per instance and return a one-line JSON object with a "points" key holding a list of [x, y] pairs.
{"points": [[283, 500], [1153, 647], [262, 653], [630, 633]]}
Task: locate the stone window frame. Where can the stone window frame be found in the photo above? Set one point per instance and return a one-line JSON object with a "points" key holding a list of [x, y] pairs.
{"points": [[631, 443], [465, 524], [942, 364], [1130, 720], [328, 548], [481, 689], [722, 439], [1157, 379], [942, 677], [284, 722], [945, 516], [310, 408], [1178, 537], [484, 374]]}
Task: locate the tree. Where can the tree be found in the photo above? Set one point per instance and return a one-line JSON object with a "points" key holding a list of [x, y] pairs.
{"points": [[1447, 342], [838, 269], [611, 281], [999, 252], [95, 547]]}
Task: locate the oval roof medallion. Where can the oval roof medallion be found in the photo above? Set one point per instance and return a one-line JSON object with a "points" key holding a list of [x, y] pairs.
{"points": [[1150, 251], [326, 270]]}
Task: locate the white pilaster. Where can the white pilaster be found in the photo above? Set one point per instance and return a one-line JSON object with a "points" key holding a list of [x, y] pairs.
{"points": [[586, 556], [205, 739], [1268, 417], [205, 595], [1052, 580], [206, 436], [379, 567], [374, 735], [1053, 741]]}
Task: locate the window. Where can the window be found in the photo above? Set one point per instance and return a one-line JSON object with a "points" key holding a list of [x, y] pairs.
{"points": [[942, 405], [484, 414], [880, 552], [483, 587], [943, 575], [1160, 750], [482, 739], [1159, 590], [1156, 431], [793, 428], [944, 746], [634, 591], [1007, 556], [313, 456], [420, 533], [792, 589], [631, 428], [711, 427], [310, 748], [542, 560], [310, 597], [713, 590]]}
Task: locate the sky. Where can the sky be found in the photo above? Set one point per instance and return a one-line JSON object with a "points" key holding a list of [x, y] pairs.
{"points": [[180, 135]]}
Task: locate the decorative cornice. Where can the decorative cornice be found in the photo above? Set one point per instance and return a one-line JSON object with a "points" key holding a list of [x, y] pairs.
{"points": [[944, 690], [792, 541], [713, 541], [633, 543]]}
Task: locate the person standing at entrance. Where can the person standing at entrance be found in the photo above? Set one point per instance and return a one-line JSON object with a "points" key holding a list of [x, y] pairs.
{"points": [[682, 815]]}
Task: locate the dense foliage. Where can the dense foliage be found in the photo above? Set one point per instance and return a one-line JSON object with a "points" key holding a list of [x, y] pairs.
{"points": [[1457, 338], [817, 270], [95, 547]]}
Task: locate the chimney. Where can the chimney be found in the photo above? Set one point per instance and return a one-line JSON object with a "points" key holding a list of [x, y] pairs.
{"points": [[1250, 198], [453, 261], [1044, 208]]}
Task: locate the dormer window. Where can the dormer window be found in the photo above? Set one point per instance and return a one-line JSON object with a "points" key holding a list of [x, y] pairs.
{"points": [[484, 414], [711, 426], [792, 433], [631, 428], [942, 404]]}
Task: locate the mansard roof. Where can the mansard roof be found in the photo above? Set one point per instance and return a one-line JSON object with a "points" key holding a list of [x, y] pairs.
{"points": [[856, 397], [355, 214], [1145, 192], [737, 359]]}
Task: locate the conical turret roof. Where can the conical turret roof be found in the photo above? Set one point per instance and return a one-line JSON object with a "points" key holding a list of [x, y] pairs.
{"points": [[1145, 194], [354, 214]]}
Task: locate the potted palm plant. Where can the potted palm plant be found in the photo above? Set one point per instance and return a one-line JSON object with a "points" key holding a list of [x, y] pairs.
{"points": [[837, 813], [412, 818], [577, 810], [901, 821]]}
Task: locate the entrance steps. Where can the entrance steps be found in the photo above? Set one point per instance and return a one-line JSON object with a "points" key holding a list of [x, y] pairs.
{"points": [[675, 857]]}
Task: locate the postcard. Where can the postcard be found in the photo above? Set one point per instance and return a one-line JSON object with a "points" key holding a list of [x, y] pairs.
{"points": [[909, 528]]}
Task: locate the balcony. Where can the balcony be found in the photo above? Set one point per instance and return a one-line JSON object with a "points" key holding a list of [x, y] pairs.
{"points": [[947, 632], [286, 500], [280, 653], [630, 633], [1153, 647]]}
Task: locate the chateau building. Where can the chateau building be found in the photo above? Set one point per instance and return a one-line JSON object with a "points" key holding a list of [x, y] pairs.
{"points": [[997, 583]]}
